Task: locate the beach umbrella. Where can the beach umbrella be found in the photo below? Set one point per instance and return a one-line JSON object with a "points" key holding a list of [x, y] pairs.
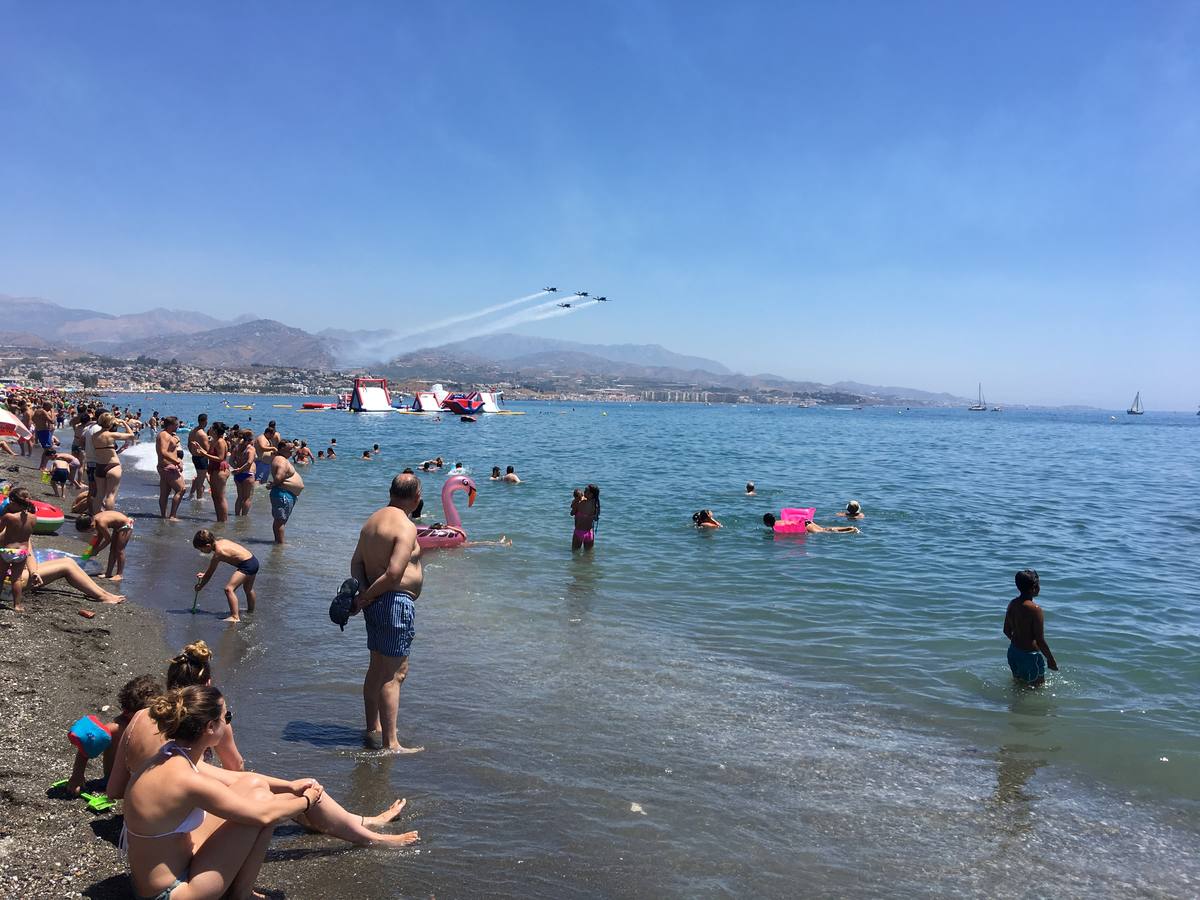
{"points": [[11, 426]]}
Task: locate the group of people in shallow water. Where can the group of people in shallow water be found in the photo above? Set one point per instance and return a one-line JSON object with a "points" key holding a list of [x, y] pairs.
{"points": [[704, 518]]}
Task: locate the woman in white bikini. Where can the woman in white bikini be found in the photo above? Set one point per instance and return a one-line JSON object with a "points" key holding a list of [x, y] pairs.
{"points": [[142, 743]]}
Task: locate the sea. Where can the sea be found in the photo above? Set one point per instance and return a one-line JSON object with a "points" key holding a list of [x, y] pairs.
{"points": [[730, 713]]}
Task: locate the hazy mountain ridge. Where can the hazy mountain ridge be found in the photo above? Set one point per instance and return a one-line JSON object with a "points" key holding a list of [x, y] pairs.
{"points": [[200, 339], [262, 341]]}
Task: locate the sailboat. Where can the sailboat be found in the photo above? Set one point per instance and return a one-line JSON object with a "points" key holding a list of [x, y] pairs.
{"points": [[1136, 409], [979, 406]]}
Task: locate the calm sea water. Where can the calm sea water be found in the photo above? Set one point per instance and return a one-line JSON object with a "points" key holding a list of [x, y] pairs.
{"points": [[728, 713]]}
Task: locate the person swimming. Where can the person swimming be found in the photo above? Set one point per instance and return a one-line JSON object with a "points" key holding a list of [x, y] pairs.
{"points": [[704, 519], [853, 511], [750, 489]]}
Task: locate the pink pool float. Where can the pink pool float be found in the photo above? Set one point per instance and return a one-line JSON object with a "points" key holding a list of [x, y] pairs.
{"points": [[451, 533], [793, 519]]}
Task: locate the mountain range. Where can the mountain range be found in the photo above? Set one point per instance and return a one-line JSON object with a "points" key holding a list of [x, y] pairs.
{"points": [[200, 339]]}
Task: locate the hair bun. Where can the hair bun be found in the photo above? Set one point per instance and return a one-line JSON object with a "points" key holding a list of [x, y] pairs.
{"points": [[198, 652]]}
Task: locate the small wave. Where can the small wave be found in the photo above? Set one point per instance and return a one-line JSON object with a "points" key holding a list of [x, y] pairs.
{"points": [[143, 458]]}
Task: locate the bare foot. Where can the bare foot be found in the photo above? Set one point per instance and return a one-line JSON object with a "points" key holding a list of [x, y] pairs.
{"points": [[231, 619], [397, 840], [173, 519], [373, 740], [115, 577], [386, 816], [401, 751], [98, 576], [111, 599], [18, 607]]}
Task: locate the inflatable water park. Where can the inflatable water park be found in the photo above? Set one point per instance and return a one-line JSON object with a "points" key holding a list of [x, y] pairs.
{"points": [[372, 395]]}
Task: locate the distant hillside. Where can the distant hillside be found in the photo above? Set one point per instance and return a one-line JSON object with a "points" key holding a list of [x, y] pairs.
{"points": [[97, 330], [263, 341], [511, 347], [902, 393]]}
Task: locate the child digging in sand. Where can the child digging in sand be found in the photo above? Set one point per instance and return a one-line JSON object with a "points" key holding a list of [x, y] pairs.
{"points": [[245, 568], [16, 527], [136, 694], [113, 530]]}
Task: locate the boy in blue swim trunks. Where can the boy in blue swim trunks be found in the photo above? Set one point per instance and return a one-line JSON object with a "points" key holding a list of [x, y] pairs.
{"points": [[1023, 626]]}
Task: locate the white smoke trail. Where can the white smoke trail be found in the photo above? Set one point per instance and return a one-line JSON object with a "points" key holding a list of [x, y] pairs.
{"points": [[466, 317], [385, 342], [531, 314]]}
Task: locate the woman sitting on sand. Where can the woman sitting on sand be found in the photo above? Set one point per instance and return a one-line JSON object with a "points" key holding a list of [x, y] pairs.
{"points": [[142, 742], [199, 827]]}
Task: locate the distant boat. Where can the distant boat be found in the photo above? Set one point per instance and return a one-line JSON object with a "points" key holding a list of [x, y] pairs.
{"points": [[997, 409], [1136, 409], [979, 406]]}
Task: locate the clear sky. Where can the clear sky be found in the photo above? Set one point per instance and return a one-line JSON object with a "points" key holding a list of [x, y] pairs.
{"points": [[918, 194]]}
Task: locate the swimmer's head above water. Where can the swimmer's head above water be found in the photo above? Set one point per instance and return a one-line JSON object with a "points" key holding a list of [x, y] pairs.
{"points": [[769, 520]]}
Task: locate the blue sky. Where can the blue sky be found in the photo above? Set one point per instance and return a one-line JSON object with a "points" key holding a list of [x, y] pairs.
{"points": [[922, 194]]}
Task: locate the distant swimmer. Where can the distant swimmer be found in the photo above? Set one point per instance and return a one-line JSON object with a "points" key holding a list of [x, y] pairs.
{"points": [[853, 511], [750, 489], [704, 519], [1023, 626], [495, 473], [811, 527], [245, 568], [367, 456], [510, 476]]}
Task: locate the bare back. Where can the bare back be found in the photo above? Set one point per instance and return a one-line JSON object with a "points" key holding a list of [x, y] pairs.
{"points": [[387, 536]]}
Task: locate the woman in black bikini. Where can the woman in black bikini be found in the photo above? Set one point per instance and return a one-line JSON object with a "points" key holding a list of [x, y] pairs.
{"points": [[108, 464]]}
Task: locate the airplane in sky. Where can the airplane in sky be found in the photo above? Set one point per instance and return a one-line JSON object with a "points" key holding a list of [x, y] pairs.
{"points": [[581, 293], [565, 305], [602, 300], [550, 289]]}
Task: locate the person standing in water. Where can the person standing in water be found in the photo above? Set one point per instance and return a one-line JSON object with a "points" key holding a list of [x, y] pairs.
{"points": [[387, 563], [198, 446], [1023, 626], [286, 485], [171, 483], [264, 449], [218, 469], [585, 507]]}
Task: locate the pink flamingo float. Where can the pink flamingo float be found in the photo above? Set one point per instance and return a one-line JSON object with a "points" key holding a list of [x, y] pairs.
{"points": [[451, 534]]}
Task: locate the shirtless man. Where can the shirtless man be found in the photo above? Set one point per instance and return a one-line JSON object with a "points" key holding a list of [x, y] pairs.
{"points": [[198, 447], [387, 561], [264, 450], [170, 468], [286, 485], [44, 421], [1023, 626]]}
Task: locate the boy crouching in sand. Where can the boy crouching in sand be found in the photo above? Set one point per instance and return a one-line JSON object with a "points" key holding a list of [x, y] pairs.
{"points": [[113, 530], [245, 568]]}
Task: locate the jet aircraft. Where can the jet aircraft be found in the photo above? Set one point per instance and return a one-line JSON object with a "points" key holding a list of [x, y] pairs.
{"points": [[550, 289], [565, 305], [602, 300], [581, 293]]}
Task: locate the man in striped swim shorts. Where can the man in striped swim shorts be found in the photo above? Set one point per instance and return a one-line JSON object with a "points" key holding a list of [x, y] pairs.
{"points": [[387, 561]]}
